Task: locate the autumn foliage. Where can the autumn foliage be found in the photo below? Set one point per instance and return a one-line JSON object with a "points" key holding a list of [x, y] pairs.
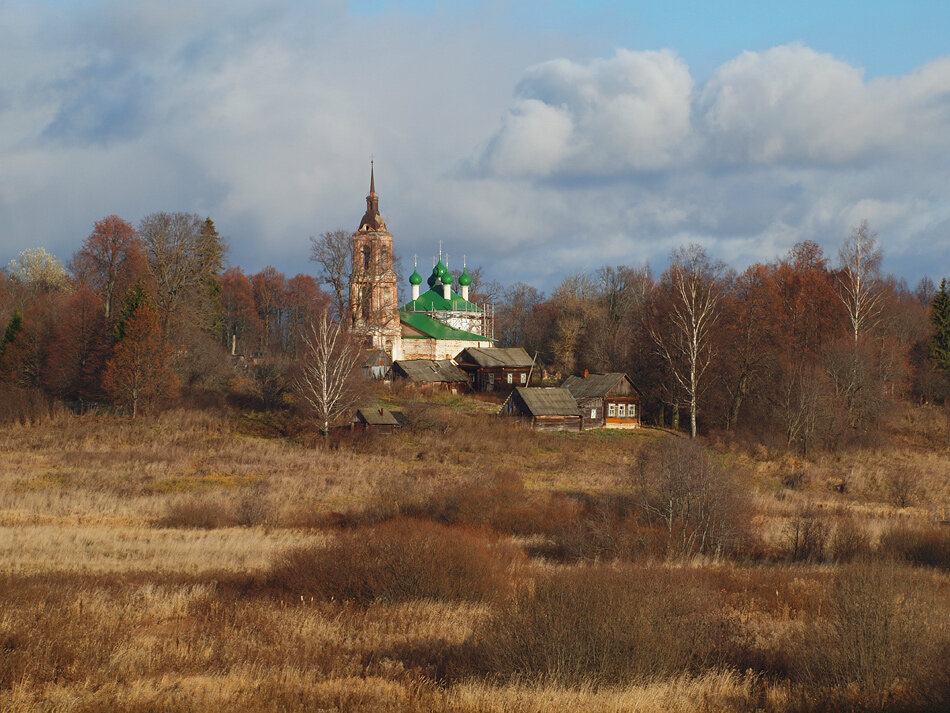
{"points": [[139, 373]]}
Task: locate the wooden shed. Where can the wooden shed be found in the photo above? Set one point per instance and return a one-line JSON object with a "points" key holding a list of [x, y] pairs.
{"points": [[374, 419], [547, 408], [430, 374], [497, 368], [607, 400], [376, 364]]}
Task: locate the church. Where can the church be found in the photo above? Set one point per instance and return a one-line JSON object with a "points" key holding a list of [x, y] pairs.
{"points": [[436, 324]]}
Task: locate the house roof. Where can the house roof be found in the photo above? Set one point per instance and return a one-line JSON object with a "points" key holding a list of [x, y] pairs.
{"points": [[497, 356], [435, 329], [593, 386], [376, 417], [430, 371], [547, 400], [432, 299]]}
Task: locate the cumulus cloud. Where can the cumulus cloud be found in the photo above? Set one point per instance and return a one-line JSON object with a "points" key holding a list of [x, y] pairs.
{"points": [[609, 116], [775, 147], [263, 115]]}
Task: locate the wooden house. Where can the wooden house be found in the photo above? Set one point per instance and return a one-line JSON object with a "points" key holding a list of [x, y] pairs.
{"points": [[546, 408], [430, 375], [496, 368], [379, 420], [606, 400]]}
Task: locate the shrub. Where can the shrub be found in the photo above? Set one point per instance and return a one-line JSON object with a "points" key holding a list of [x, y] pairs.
{"points": [[400, 560], [685, 491], [599, 625], [900, 486], [880, 640], [848, 541], [925, 545], [201, 512], [805, 536]]}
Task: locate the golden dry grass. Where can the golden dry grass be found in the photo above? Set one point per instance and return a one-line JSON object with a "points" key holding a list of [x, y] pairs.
{"points": [[115, 597]]}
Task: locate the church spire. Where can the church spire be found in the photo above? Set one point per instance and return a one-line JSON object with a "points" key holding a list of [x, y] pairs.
{"points": [[372, 221]]}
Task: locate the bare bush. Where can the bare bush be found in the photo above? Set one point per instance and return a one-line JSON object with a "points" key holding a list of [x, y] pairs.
{"points": [[924, 545], [876, 641], [692, 497], [900, 485], [397, 561], [848, 541], [203, 512], [806, 535], [598, 625]]}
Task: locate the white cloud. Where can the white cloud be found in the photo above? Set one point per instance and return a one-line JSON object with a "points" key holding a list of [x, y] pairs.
{"points": [[263, 116], [609, 116]]}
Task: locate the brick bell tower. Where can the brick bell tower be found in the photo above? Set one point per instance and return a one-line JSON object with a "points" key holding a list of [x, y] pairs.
{"points": [[373, 304]]}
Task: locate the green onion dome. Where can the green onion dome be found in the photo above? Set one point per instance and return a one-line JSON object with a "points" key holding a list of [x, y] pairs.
{"points": [[464, 279], [447, 278], [442, 269], [415, 278], [434, 277]]}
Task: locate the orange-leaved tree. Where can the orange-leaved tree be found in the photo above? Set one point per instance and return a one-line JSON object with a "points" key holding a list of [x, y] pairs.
{"points": [[139, 372]]}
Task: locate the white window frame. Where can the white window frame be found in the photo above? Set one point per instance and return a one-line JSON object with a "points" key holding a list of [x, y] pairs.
{"points": [[621, 410], [524, 378], [611, 410], [632, 411], [510, 377], [593, 412]]}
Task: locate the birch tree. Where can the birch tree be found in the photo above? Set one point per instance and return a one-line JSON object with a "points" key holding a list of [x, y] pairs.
{"points": [[860, 266], [328, 377], [685, 342]]}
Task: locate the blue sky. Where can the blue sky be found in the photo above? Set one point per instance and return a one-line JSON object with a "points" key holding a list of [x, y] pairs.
{"points": [[538, 138]]}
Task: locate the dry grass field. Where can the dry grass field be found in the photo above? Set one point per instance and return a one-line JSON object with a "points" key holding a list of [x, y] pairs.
{"points": [[204, 560]]}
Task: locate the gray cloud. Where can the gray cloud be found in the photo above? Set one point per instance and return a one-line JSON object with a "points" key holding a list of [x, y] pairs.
{"points": [[263, 116]]}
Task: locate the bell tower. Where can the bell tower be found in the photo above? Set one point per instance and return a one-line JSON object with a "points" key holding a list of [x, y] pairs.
{"points": [[373, 305]]}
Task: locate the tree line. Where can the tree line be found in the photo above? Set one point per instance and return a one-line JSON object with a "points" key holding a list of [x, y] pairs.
{"points": [[139, 314], [802, 351]]}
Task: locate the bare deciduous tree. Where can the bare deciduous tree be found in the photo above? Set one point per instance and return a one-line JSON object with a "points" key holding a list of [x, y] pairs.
{"points": [[328, 380], [333, 251], [183, 252], [693, 291], [860, 259]]}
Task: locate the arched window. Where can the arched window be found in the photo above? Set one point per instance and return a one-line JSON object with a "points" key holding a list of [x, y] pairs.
{"points": [[367, 254]]}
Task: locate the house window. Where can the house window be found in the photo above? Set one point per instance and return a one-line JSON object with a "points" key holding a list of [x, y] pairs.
{"points": [[633, 411], [621, 410], [509, 377], [491, 379], [593, 413], [524, 378], [611, 410]]}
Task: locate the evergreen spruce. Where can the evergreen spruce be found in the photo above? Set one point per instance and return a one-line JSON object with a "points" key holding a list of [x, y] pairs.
{"points": [[940, 320], [13, 328]]}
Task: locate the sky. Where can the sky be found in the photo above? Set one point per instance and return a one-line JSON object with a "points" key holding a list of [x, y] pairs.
{"points": [[536, 139]]}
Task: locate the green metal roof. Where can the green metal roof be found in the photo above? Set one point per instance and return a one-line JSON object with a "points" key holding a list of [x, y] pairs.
{"points": [[433, 300], [437, 330]]}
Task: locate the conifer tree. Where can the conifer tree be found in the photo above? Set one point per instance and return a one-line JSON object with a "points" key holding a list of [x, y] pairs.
{"points": [[940, 320]]}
